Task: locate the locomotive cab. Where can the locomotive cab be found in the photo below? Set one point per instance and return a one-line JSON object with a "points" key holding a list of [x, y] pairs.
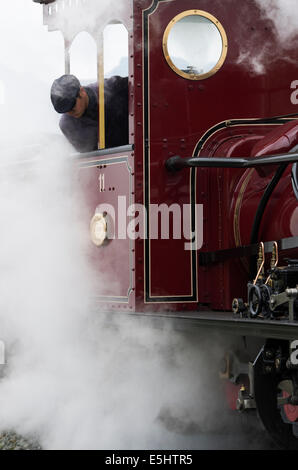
{"points": [[183, 218], [190, 94]]}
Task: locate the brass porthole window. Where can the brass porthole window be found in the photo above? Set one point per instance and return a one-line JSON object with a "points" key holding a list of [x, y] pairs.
{"points": [[195, 44]]}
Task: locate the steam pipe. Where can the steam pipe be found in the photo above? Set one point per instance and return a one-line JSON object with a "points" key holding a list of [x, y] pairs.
{"points": [[177, 163]]}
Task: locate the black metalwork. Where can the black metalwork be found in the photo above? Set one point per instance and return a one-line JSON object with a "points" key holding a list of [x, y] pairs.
{"points": [[177, 163], [240, 122], [266, 380], [254, 300], [295, 179], [44, 2], [261, 209], [220, 256]]}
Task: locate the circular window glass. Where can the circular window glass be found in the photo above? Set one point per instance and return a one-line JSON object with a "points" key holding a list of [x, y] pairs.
{"points": [[195, 45]]}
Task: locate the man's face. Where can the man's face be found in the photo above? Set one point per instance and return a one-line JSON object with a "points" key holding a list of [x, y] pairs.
{"points": [[81, 105]]}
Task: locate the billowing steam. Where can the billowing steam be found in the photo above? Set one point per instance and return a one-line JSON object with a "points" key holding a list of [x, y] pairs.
{"points": [[284, 15], [75, 378], [282, 19]]}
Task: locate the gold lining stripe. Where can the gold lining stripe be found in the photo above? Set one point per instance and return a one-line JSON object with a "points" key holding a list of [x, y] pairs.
{"points": [[238, 206], [228, 125], [185, 296]]}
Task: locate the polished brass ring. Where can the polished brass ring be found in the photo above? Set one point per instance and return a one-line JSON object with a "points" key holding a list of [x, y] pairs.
{"points": [[218, 65], [99, 229]]}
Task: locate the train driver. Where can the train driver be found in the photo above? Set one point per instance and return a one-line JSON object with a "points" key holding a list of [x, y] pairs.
{"points": [[79, 107]]}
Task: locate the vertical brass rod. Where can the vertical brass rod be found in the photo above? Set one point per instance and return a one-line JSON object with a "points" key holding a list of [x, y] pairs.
{"points": [[262, 247], [274, 260], [67, 57], [101, 93]]}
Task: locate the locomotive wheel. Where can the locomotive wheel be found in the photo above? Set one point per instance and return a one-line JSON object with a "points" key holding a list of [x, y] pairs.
{"points": [[255, 301], [267, 392]]}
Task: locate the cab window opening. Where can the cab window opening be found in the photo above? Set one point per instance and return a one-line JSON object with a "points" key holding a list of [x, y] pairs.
{"points": [[115, 50], [94, 102], [83, 58], [85, 63], [115, 73]]}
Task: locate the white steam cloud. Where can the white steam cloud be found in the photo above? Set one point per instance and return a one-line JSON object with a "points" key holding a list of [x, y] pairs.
{"points": [[284, 15], [283, 20], [78, 379], [75, 378]]}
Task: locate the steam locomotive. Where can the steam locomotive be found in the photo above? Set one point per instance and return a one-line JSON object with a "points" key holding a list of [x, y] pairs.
{"points": [[216, 142]]}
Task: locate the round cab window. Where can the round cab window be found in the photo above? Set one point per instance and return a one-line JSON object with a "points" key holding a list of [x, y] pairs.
{"points": [[195, 45]]}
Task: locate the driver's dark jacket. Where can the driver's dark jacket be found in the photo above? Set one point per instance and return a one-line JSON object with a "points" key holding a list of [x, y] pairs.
{"points": [[82, 132]]}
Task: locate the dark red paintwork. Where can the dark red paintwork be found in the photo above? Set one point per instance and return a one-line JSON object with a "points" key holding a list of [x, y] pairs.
{"points": [[169, 115]]}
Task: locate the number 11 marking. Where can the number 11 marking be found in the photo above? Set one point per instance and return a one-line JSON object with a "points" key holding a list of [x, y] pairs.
{"points": [[101, 179]]}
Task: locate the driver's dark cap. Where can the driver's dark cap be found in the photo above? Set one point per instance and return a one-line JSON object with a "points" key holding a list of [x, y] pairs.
{"points": [[64, 93]]}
